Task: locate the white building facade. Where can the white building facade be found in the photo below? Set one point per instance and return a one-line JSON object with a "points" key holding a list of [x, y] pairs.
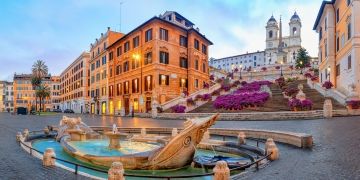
{"points": [[281, 48], [243, 61]]}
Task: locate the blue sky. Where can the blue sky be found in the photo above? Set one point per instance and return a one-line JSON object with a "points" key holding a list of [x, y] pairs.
{"points": [[57, 31]]}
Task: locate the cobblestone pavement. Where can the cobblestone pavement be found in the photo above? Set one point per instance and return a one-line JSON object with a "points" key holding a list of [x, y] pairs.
{"points": [[335, 154]]}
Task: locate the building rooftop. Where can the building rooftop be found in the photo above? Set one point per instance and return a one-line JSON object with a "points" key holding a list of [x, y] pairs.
{"points": [[321, 10]]}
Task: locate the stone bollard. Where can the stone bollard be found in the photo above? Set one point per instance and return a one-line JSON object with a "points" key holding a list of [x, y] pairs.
{"points": [[47, 157], [328, 108], [268, 142], [18, 136], [26, 133], [174, 132], [221, 171], [116, 172], [143, 132], [46, 131], [241, 138], [272, 148]]}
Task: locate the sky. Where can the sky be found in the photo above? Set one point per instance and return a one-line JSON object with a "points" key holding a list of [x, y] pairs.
{"points": [[58, 31]]}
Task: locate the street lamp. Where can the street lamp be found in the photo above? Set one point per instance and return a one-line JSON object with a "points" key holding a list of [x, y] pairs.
{"points": [[301, 67], [328, 69], [240, 68], [281, 72]]}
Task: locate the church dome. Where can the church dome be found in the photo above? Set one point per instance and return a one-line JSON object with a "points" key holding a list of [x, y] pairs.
{"points": [[295, 17], [272, 19]]}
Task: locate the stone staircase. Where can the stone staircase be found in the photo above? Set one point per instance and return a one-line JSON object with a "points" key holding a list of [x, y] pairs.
{"points": [[316, 97]]}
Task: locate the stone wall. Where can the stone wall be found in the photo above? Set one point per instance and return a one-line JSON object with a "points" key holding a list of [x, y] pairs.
{"points": [[283, 115]]}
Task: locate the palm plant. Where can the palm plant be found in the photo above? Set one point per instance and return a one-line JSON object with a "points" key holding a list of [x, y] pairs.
{"points": [[39, 71], [42, 92]]}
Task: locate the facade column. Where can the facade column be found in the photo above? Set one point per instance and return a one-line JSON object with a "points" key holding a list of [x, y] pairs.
{"points": [[331, 61], [356, 43]]}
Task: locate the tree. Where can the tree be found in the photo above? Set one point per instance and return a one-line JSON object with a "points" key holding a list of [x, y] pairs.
{"points": [[302, 59], [39, 71], [42, 92]]}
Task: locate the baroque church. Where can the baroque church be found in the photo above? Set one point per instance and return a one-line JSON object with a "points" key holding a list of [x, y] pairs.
{"points": [[279, 48]]}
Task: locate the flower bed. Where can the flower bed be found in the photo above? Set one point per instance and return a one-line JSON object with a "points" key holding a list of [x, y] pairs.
{"points": [[308, 75], [291, 92], [280, 82], [252, 87], [327, 85], [216, 92], [206, 97], [178, 109], [240, 101], [353, 104], [190, 101], [225, 87], [298, 105]]}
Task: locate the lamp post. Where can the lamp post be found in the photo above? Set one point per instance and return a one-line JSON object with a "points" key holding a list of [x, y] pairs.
{"points": [[240, 68], [301, 67], [281, 72], [328, 74]]}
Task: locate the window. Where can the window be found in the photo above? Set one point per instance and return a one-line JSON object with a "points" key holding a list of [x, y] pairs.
{"points": [[97, 77], [204, 68], [126, 46], [338, 70], [337, 42], [111, 72], [337, 15], [294, 30], [111, 91], [164, 57], [135, 64], [136, 42], [270, 34], [135, 85], [183, 41], [320, 33], [126, 87], [111, 56], [126, 66], [148, 83], [349, 30], [183, 82], [148, 35], [98, 51], [164, 34], [325, 24], [118, 51], [104, 45], [325, 45], [92, 66], [349, 62], [196, 83], [163, 79], [203, 49], [103, 91], [97, 63], [103, 60], [148, 58], [197, 64], [118, 70], [348, 2], [183, 62], [118, 89], [196, 44], [342, 40]]}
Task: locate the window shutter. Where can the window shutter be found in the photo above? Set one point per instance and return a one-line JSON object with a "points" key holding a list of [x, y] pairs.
{"points": [[167, 80], [151, 82], [159, 79], [167, 58]]}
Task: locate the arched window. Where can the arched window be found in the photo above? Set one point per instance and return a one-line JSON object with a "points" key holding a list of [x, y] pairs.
{"points": [[270, 34], [294, 31]]}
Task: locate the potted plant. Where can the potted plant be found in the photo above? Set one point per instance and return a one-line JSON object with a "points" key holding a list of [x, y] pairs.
{"points": [[294, 104], [178, 109], [190, 102], [353, 104]]}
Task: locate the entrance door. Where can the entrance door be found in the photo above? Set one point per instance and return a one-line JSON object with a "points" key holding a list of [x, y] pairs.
{"points": [[126, 104], [148, 104]]}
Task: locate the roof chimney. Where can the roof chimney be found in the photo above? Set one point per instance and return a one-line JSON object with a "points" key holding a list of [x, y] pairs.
{"points": [[108, 28], [102, 34]]}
